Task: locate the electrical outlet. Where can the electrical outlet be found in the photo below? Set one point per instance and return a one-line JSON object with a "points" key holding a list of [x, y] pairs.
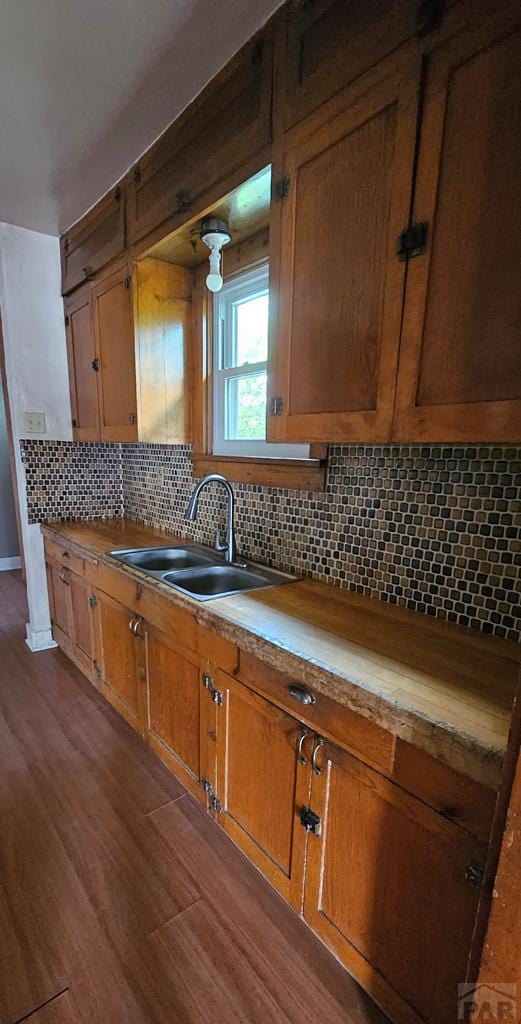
{"points": [[35, 422]]}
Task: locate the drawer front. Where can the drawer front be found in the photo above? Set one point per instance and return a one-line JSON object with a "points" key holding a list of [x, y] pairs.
{"points": [[152, 606], [217, 651], [360, 736], [62, 554]]}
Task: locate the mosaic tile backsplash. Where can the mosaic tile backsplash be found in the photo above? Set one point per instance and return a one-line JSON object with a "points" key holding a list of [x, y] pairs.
{"points": [[434, 528]]}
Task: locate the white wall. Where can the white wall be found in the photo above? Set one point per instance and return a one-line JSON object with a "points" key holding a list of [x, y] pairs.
{"points": [[8, 534], [37, 380]]}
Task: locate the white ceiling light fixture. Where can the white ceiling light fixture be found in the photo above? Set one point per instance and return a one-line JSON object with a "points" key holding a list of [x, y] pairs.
{"points": [[215, 234]]}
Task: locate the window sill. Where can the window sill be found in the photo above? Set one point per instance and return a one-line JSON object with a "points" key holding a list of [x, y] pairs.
{"points": [[296, 474]]}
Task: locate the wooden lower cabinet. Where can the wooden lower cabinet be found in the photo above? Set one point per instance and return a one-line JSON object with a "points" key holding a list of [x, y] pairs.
{"points": [[121, 659], [173, 716], [71, 614], [387, 889], [261, 782]]}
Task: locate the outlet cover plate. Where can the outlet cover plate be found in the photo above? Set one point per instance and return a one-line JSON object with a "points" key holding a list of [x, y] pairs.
{"points": [[34, 422]]}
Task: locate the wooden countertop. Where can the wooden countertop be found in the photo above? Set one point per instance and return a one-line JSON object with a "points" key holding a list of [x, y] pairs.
{"points": [[444, 688]]}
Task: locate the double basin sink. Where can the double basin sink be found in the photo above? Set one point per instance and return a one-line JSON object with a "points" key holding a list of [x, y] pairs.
{"points": [[199, 571]]}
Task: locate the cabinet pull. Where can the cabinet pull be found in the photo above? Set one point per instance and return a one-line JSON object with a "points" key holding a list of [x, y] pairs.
{"points": [[319, 742], [300, 756], [302, 694], [132, 623], [63, 576], [137, 631], [65, 554]]}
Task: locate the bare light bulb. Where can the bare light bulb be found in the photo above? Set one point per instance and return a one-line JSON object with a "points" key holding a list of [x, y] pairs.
{"points": [[215, 234]]}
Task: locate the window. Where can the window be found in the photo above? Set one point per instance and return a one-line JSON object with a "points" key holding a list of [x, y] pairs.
{"points": [[240, 370]]}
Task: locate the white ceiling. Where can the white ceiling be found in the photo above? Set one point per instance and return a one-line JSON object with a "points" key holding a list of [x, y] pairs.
{"points": [[87, 85]]}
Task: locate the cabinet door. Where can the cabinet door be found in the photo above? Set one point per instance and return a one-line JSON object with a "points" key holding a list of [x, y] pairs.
{"points": [[114, 329], [60, 603], [460, 361], [262, 783], [80, 594], [386, 889], [218, 134], [331, 42], [81, 354], [340, 287], [95, 240], [122, 657], [173, 712]]}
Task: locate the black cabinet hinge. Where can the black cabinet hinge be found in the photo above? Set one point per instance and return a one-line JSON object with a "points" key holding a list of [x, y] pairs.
{"points": [[412, 241], [128, 281], [214, 804], [311, 821], [74, 422], [209, 684], [184, 203], [137, 174], [65, 244], [67, 320], [429, 14], [117, 193], [474, 874], [276, 406], [95, 364], [282, 187], [93, 601]]}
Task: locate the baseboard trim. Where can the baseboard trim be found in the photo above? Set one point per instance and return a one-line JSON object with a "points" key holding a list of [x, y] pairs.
{"points": [[10, 563], [39, 640]]}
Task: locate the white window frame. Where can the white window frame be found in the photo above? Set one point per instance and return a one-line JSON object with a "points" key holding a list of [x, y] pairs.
{"points": [[246, 284]]}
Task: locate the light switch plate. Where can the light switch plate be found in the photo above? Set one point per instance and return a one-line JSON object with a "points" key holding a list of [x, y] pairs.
{"points": [[35, 422]]}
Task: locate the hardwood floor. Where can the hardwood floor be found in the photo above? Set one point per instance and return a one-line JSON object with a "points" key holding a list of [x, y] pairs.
{"points": [[120, 900]]}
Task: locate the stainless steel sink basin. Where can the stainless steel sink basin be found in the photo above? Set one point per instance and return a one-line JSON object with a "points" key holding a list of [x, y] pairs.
{"points": [[161, 560], [215, 581], [200, 572]]}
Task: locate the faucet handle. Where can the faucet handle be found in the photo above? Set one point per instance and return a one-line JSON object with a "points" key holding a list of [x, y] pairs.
{"points": [[218, 544]]}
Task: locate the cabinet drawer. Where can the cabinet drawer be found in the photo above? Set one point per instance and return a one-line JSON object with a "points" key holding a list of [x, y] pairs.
{"points": [[153, 606], [61, 553], [359, 735], [216, 650]]}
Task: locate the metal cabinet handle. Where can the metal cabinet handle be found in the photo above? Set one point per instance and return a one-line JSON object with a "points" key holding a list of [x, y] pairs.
{"points": [[302, 694], [300, 756], [63, 576], [319, 742], [132, 623], [137, 631]]}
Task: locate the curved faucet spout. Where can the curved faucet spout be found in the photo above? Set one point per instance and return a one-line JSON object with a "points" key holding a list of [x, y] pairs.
{"points": [[230, 548]]}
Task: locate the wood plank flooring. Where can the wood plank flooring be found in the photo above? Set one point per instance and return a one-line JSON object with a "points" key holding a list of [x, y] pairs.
{"points": [[120, 900]]}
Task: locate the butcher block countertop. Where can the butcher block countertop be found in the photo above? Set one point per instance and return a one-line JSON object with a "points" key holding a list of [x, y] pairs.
{"points": [[444, 688]]}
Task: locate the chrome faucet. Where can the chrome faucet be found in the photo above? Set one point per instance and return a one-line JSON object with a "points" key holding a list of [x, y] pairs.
{"points": [[230, 547]]}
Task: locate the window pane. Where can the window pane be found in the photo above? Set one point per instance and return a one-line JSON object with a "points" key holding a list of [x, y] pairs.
{"points": [[246, 407], [251, 330]]}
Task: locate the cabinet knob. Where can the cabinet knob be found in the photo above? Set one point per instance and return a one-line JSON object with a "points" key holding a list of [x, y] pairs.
{"points": [[302, 694]]}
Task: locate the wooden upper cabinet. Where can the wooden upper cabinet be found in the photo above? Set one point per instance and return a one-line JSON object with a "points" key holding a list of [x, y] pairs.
{"points": [[261, 783], [460, 361], [389, 888], [219, 133], [340, 283], [94, 241], [331, 42], [115, 353], [81, 353]]}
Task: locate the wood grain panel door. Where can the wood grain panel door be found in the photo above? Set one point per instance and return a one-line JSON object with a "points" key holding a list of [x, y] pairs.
{"points": [[81, 354], [122, 658], [94, 241], [386, 889], [59, 602], [114, 331], [223, 129], [80, 593], [261, 782], [340, 285], [460, 361], [331, 42], [173, 705]]}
